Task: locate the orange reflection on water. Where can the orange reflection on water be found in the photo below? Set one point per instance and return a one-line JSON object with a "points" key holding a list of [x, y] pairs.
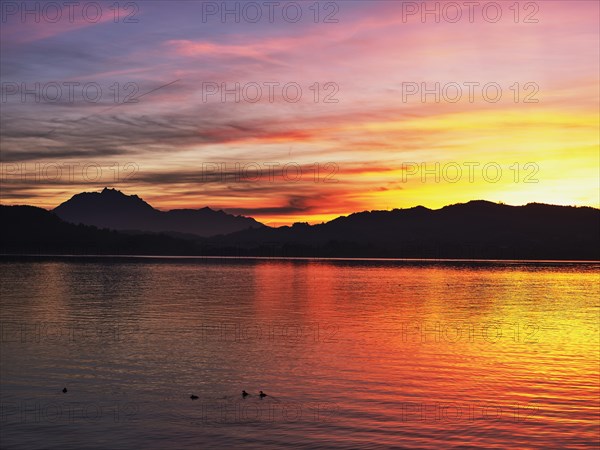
{"points": [[410, 354]]}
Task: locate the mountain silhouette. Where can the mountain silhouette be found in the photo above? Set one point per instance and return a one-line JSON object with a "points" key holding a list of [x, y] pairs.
{"points": [[478, 229], [474, 230], [31, 230], [114, 210]]}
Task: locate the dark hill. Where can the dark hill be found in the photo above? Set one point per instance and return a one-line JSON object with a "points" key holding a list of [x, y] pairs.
{"points": [[31, 230], [114, 210], [475, 230]]}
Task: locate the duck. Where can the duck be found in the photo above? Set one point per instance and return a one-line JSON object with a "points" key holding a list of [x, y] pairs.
{"points": [[64, 390], [262, 394], [194, 397], [245, 394]]}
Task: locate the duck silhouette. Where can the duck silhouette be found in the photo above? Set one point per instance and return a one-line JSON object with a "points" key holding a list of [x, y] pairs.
{"points": [[194, 397], [64, 390], [245, 394], [262, 394]]}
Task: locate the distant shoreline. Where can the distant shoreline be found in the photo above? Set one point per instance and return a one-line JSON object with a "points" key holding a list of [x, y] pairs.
{"points": [[300, 258], [477, 231]]}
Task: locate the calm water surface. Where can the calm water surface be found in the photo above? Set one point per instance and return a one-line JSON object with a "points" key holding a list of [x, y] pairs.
{"points": [[353, 354]]}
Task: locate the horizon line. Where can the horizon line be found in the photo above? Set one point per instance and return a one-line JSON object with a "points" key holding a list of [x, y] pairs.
{"points": [[316, 222]]}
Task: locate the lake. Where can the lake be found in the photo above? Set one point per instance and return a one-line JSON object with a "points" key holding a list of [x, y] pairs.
{"points": [[351, 353]]}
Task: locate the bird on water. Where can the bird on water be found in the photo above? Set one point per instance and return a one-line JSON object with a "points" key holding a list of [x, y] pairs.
{"points": [[262, 394], [194, 397], [64, 390], [245, 394]]}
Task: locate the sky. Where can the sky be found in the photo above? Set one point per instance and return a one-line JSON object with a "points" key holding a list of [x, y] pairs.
{"points": [[301, 111]]}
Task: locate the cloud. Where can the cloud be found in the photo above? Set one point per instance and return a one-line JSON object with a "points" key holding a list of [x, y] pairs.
{"points": [[368, 133]]}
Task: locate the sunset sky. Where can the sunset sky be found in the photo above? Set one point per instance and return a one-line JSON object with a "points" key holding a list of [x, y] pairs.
{"points": [[184, 143]]}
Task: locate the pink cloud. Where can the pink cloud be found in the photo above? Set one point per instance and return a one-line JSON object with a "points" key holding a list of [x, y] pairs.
{"points": [[24, 31]]}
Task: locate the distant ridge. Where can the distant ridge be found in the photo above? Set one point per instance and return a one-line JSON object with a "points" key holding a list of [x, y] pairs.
{"points": [[473, 230], [477, 229], [114, 210]]}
